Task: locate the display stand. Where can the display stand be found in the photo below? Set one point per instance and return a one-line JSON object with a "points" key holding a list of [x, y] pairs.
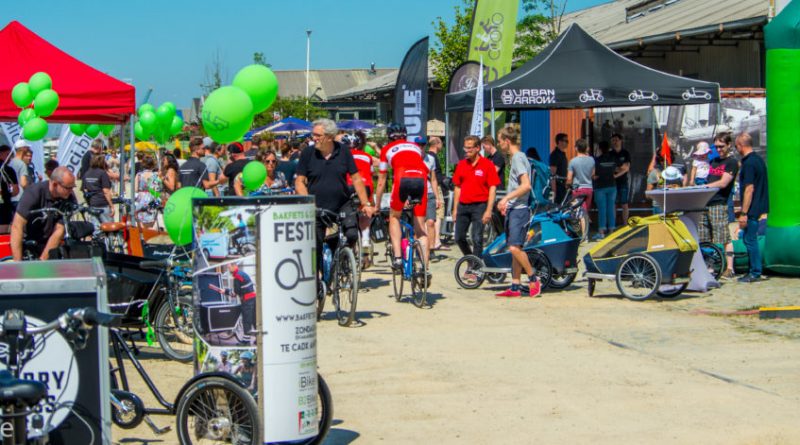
{"points": [[80, 379], [255, 295], [691, 201]]}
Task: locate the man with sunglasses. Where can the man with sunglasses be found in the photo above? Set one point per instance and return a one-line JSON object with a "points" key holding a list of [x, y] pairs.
{"points": [[46, 229]]}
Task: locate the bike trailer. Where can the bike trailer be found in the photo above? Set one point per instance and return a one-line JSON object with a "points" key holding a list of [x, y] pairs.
{"points": [[128, 284]]}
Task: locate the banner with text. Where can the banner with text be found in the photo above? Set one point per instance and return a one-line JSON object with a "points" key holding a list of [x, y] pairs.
{"points": [[12, 132], [411, 91], [71, 148]]}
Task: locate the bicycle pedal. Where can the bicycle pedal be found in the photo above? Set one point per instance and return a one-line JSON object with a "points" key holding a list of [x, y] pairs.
{"points": [[156, 430]]}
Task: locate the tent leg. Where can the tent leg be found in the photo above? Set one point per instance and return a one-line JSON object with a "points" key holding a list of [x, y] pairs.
{"points": [[133, 159], [493, 129], [653, 127], [447, 139]]}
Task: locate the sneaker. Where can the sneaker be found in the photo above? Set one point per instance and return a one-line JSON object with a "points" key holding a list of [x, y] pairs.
{"points": [[509, 293], [728, 275], [749, 279], [397, 264], [598, 237], [535, 289]]}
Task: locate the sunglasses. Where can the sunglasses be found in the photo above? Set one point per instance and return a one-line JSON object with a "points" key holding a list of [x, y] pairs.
{"points": [[271, 161], [64, 186]]}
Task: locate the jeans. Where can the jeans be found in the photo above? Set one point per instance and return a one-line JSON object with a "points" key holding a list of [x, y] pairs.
{"points": [[605, 199], [731, 214], [470, 214], [751, 244], [102, 218]]}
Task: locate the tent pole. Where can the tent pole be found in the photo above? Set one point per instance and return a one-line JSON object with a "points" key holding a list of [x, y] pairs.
{"points": [[121, 160], [493, 130], [133, 157], [653, 127], [447, 143]]}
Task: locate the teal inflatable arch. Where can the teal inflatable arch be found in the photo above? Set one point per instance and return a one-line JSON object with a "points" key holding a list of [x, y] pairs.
{"points": [[782, 40]]}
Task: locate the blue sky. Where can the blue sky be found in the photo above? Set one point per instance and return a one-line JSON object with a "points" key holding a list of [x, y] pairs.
{"points": [[167, 44]]}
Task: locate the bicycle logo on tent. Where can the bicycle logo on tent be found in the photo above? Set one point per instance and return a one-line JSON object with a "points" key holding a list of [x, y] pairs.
{"points": [[592, 96], [293, 274], [490, 36], [637, 95], [692, 93]]}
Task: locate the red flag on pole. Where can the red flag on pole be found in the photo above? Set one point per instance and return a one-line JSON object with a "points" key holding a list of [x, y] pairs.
{"points": [[666, 153]]}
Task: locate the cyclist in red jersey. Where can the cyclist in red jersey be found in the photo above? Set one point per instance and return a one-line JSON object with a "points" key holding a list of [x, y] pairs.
{"points": [[409, 182], [364, 161]]}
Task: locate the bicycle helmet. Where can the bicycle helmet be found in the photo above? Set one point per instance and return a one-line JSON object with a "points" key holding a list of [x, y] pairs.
{"points": [[396, 131], [350, 141], [223, 354], [246, 355]]}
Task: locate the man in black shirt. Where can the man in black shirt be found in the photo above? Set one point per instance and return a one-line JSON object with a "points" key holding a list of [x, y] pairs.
{"points": [[558, 167], [497, 158], [238, 161], [322, 171], [755, 202], [713, 225], [46, 229], [194, 172], [623, 182], [8, 188]]}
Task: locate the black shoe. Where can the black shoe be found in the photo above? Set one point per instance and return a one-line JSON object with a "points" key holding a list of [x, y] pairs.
{"points": [[397, 264], [749, 279]]}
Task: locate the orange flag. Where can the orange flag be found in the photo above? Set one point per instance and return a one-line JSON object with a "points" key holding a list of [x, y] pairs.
{"points": [[666, 153]]}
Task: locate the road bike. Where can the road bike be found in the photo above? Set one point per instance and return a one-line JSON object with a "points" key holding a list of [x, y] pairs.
{"points": [[20, 398], [414, 268], [340, 272]]}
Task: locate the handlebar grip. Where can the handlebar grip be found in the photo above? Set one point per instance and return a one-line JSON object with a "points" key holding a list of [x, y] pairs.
{"points": [[154, 264], [91, 317]]}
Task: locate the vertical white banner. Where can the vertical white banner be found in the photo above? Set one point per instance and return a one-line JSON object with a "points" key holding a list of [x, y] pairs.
{"points": [[12, 131], [287, 298], [477, 112], [71, 148]]}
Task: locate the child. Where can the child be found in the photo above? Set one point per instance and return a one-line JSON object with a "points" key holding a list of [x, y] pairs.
{"points": [[700, 165]]}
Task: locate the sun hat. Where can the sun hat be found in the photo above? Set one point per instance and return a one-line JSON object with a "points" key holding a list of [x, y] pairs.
{"points": [[671, 174], [702, 149], [21, 143]]}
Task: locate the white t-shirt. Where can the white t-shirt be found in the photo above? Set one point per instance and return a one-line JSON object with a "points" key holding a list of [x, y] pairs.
{"points": [[703, 167]]}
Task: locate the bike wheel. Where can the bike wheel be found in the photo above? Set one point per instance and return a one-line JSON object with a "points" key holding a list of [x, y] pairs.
{"points": [[397, 275], [468, 272], [541, 267], [345, 286], [174, 330], [562, 281], [134, 406], [419, 277], [638, 277], [217, 410], [714, 258], [247, 249]]}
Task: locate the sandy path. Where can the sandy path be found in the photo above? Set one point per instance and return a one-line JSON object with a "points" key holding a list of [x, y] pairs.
{"points": [[560, 369]]}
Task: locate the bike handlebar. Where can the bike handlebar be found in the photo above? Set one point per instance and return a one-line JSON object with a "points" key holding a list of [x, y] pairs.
{"points": [[86, 317], [155, 264]]}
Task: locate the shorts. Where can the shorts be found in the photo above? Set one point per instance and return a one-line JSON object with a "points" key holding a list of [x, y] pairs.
{"points": [[409, 188], [517, 222], [6, 213], [622, 192], [441, 209], [430, 212], [713, 225]]}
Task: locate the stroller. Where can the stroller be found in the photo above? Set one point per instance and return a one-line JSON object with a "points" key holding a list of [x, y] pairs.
{"points": [[554, 235], [651, 255]]}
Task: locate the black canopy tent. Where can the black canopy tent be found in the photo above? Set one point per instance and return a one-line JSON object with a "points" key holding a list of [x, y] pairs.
{"points": [[577, 71]]}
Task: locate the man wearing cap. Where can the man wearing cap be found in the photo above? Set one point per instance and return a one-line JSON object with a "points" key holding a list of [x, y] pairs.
{"points": [[713, 225], [20, 169], [212, 166], [238, 161]]}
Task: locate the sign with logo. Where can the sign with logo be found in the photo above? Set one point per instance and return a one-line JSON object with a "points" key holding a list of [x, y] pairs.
{"points": [[411, 91], [528, 96]]}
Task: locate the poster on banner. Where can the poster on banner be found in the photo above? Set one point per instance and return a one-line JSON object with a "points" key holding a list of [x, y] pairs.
{"points": [[411, 91], [12, 132], [71, 148]]}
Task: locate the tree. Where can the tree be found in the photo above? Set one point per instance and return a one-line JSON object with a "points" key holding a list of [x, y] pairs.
{"points": [[215, 74], [259, 59], [451, 47], [289, 106], [540, 26]]}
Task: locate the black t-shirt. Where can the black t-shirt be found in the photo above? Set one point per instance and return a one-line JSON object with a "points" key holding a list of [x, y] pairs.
{"points": [[288, 168], [327, 178], [499, 161], [558, 159], [85, 160], [231, 171], [438, 169], [37, 196], [604, 167], [754, 171], [192, 173], [623, 157], [94, 181], [8, 178], [720, 166]]}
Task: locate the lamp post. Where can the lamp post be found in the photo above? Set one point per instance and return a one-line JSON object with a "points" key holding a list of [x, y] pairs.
{"points": [[308, 66]]}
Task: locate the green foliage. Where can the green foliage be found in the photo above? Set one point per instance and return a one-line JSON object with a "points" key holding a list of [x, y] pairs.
{"points": [[289, 106], [260, 59], [540, 26], [451, 47]]}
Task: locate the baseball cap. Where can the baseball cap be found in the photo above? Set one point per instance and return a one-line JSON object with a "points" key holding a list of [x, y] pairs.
{"points": [[207, 141], [21, 143], [235, 147]]}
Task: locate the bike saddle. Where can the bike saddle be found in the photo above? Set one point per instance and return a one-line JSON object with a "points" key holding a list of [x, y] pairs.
{"points": [[16, 391], [112, 226], [29, 243]]}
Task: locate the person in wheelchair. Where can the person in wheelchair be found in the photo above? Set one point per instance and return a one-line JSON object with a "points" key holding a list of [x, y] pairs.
{"points": [[47, 230], [409, 184]]}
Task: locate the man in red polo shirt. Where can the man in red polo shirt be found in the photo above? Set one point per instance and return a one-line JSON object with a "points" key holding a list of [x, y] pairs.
{"points": [[475, 181]]}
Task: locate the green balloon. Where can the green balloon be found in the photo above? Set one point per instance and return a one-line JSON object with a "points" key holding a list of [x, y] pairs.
{"points": [[177, 125], [171, 106], [45, 103], [253, 175], [35, 129], [21, 95], [93, 130], [164, 115], [78, 129], [106, 129], [25, 116], [39, 82], [178, 219], [227, 114], [260, 83], [146, 107], [139, 132], [370, 151], [148, 120]]}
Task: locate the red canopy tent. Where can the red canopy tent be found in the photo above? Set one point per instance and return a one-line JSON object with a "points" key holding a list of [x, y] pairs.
{"points": [[86, 94]]}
